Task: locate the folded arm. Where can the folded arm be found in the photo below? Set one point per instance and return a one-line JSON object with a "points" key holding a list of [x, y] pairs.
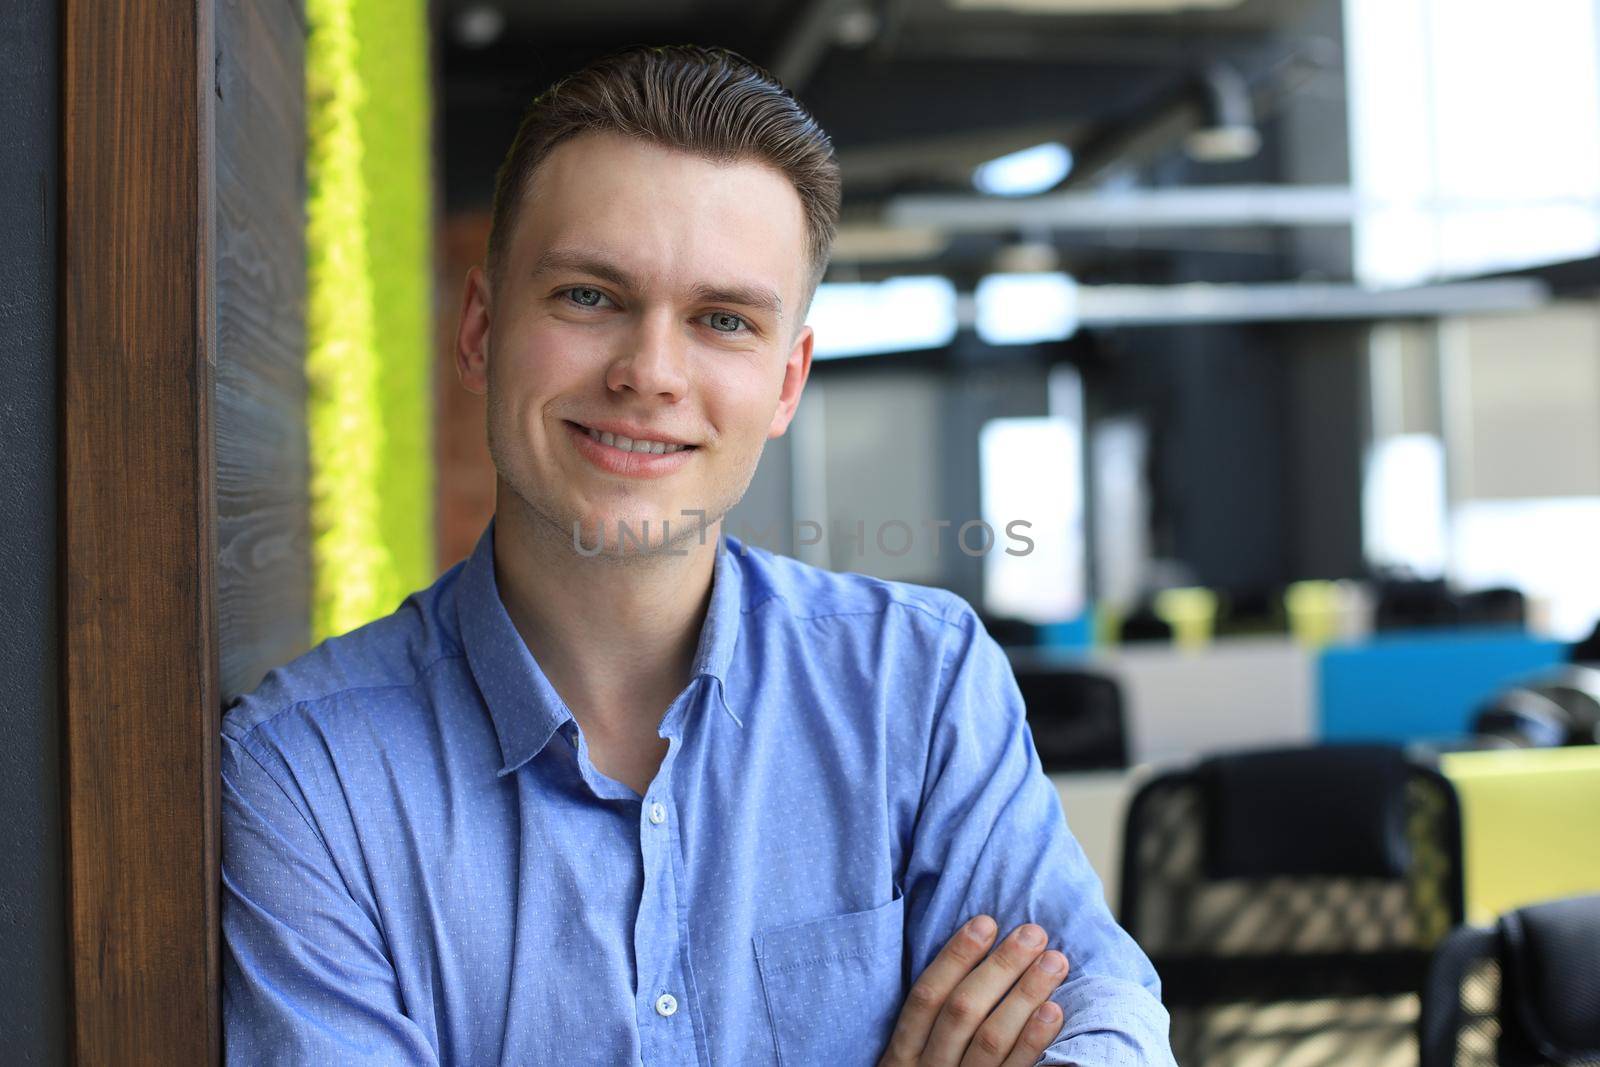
{"points": [[991, 839]]}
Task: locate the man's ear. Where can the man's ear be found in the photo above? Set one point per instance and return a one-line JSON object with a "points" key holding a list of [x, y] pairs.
{"points": [[795, 373], [472, 335]]}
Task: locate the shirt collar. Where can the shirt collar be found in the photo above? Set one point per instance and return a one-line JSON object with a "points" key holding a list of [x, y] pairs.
{"points": [[524, 706]]}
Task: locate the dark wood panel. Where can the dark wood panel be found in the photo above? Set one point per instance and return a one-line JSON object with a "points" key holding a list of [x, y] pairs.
{"points": [[140, 653], [263, 473]]}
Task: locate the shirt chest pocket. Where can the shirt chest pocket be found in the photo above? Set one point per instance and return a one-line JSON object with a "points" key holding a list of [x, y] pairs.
{"points": [[834, 986]]}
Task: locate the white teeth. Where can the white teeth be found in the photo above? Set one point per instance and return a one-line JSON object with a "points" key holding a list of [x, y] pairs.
{"points": [[627, 444]]}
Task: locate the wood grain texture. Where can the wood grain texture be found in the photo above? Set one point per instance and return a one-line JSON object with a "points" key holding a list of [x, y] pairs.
{"points": [[140, 658], [263, 469]]}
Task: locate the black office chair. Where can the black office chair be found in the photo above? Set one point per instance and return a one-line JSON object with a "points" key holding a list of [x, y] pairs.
{"points": [[1497, 606], [1521, 718], [1290, 899], [1587, 650], [1559, 707], [1075, 715], [1250, 612], [1523, 992], [1144, 626], [1413, 604], [1010, 632]]}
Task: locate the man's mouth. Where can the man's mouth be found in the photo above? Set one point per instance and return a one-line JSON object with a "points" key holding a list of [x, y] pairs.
{"points": [[631, 444]]}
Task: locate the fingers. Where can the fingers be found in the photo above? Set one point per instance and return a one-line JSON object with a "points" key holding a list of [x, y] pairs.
{"points": [[1042, 1027], [954, 962], [1003, 1029], [974, 997]]}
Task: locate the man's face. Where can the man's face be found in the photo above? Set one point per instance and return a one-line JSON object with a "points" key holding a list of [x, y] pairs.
{"points": [[651, 295]]}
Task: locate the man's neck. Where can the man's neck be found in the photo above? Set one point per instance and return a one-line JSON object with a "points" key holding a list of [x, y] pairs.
{"points": [[616, 638]]}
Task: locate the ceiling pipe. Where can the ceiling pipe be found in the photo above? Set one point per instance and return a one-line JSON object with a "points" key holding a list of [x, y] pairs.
{"points": [[803, 48], [1126, 306], [1198, 207]]}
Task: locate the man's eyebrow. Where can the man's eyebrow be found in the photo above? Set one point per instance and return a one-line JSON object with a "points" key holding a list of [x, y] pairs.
{"points": [[582, 263], [751, 296], [597, 266]]}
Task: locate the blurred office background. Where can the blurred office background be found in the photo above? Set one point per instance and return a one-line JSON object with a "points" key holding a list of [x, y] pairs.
{"points": [[1216, 295], [1278, 323], [1275, 321]]}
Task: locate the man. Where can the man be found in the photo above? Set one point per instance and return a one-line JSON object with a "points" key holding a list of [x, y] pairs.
{"points": [[616, 789]]}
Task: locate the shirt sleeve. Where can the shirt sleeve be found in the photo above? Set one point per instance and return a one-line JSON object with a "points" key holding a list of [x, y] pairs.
{"points": [[991, 838], [306, 978]]}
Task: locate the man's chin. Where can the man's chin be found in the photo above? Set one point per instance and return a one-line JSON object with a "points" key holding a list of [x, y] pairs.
{"points": [[627, 536]]}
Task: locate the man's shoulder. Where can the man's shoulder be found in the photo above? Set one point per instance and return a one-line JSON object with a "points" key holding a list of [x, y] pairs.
{"points": [[390, 653], [809, 592]]}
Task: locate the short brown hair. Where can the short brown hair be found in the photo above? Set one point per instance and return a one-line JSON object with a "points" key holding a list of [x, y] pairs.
{"points": [[708, 101]]}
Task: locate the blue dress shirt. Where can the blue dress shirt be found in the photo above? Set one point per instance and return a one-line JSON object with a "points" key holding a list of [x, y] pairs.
{"points": [[421, 865]]}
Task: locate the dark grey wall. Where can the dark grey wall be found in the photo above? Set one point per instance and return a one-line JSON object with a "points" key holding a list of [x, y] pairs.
{"points": [[33, 988], [1328, 431], [1213, 398]]}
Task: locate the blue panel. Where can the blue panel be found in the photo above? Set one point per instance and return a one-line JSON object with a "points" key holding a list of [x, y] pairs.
{"points": [[1073, 633], [1413, 686]]}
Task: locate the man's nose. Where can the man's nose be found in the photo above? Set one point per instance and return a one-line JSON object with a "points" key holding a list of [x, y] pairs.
{"points": [[653, 361]]}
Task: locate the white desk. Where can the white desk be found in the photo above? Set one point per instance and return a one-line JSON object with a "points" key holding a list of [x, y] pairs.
{"points": [[1237, 692]]}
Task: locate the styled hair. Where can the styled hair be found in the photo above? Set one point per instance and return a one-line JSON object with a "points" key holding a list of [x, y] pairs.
{"points": [[711, 102]]}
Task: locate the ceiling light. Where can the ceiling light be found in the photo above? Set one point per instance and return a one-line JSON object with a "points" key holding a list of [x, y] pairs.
{"points": [[865, 243], [1020, 309], [1227, 131], [855, 27], [479, 26], [1030, 171], [1027, 257], [898, 315]]}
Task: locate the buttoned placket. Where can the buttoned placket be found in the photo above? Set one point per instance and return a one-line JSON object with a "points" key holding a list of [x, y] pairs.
{"points": [[671, 1030]]}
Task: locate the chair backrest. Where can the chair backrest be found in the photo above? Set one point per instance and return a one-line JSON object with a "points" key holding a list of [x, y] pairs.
{"points": [[1556, 707], [1524, 992], [1076, 717], [1290, 899], [1523, 718]]}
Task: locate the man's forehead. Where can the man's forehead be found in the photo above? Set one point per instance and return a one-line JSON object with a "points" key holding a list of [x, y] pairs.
{"points": [[724, 250]]}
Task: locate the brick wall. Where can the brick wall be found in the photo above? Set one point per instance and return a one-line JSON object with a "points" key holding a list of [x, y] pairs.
{"points": [[465, 475]]}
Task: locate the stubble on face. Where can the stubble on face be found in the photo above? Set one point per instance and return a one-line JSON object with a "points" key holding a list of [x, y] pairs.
{"points": [[584, 514], [638, 540]]}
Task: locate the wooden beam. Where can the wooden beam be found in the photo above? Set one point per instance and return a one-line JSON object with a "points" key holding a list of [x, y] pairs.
{"points": [[138, 599]]}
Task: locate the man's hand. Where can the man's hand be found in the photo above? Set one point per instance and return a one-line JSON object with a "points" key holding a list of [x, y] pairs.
{"points": [[951, 1018]]}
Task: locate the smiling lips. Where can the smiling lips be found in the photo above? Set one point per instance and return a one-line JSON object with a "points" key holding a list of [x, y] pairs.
{"points": [[632, 457], [629, 444]]}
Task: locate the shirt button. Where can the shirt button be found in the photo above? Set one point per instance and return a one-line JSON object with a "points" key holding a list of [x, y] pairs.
{"points": [[666, 1004], [658, 814]]}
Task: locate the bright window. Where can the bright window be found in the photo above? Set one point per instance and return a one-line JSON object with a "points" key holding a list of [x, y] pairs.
{"points": [[1030, 471], [1475, 135]]}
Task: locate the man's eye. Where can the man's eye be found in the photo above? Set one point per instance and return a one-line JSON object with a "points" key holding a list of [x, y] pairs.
{"points": [[723, 322], [584, 296]]}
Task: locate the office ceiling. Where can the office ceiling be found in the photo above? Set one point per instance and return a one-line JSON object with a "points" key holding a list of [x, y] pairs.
{"points": [[912, 91]]}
